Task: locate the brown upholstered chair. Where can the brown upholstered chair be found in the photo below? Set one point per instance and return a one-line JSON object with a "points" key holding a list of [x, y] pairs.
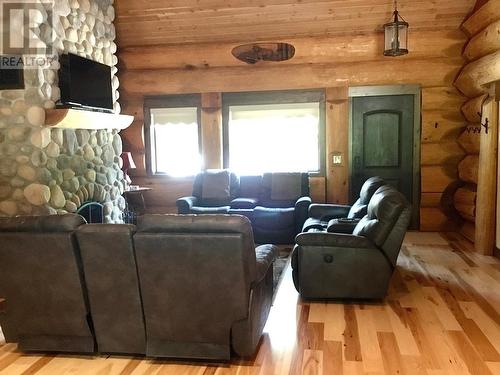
{"points": [[46, 305], [108, 259], [205, 288]]}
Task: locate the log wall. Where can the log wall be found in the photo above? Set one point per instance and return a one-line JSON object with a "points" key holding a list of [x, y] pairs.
{"points": [[478, 170], [330, 63]]}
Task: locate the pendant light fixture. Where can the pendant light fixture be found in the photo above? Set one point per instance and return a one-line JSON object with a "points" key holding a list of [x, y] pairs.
{"points": [[396, 35]]}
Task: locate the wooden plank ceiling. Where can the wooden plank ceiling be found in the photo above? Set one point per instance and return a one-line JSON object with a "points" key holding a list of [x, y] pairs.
{"points": [[152, 22]]}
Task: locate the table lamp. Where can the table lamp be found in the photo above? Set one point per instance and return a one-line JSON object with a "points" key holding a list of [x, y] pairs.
{"points": [[128, 163]]}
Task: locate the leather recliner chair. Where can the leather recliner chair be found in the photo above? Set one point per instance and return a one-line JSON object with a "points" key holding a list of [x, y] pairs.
{"points": [[359, 265], [42, 282], [205, 288], [321, 215], [108, 259]]}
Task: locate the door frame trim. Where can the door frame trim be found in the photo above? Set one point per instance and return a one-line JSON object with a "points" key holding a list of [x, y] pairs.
{"points": [[416, 91]]}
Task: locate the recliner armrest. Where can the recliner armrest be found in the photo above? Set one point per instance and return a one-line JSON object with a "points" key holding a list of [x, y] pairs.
{"points": [[333, 240], [342, 225], [185, 204], [303, 202], [326, 212], [301, 212], [265, 256]]}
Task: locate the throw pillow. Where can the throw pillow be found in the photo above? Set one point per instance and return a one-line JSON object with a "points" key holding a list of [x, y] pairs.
{"points": [[216, 185], [286, 186]]}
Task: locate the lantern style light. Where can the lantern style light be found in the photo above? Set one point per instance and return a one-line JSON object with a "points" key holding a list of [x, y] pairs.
{"points": [[396, 35]]}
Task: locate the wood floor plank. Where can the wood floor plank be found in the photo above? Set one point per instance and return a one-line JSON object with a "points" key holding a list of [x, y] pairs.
{"points": [[352, 349], [401, 330], [436, 303], [380, 318], [471, 358], [8, 359], [313, 362], [428, 357], [370, 349], [332, 357], [28, 364], [494, 367], [390, 353], [317, 312], [334, 322], [37, 365], [480, 299], [490, 328], [441, 317]]}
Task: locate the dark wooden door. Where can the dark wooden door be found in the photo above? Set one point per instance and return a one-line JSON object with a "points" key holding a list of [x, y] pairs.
{"points": [[382, 141]]}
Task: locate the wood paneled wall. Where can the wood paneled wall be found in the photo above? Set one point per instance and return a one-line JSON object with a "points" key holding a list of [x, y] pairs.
{"points": [[330, 63], [476, 201], [154, 22]]}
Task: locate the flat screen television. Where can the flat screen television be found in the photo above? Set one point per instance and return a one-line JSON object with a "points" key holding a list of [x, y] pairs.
{"points": [[84, 83], [11, 72]]}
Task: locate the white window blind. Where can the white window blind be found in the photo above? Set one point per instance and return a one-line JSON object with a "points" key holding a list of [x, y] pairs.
{"points": [[176, 140], [274, 138]]}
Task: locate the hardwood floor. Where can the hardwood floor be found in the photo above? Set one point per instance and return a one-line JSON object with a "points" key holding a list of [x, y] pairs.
{"points": [[442, 316]]}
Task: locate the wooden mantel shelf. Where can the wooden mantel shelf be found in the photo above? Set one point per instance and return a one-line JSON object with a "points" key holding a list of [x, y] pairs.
{"points": [[80, 119]]}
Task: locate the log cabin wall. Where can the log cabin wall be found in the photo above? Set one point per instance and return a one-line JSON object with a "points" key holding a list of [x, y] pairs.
{"points": [[332, 63], [475, 200]]}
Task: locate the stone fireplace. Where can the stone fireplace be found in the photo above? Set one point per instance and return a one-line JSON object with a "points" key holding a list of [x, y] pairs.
{"points": [[46, 170]]}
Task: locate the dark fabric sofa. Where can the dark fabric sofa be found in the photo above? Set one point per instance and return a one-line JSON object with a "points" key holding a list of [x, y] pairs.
{"points": [[275, 203], [358, 265], [174, 286]]}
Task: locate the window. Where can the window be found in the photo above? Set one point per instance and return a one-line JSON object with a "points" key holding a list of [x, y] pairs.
{"points": [[283, 135], [173, 138]]}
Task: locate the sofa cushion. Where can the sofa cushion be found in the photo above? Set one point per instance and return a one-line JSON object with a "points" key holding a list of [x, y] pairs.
{"points": [[360, 207], [216, 185], [384, 210], [313, 223], [358, 210], [274, 218], [244, 203], [250, 186], [342, 225], [247, 212], [210, 210], [286, 186]]}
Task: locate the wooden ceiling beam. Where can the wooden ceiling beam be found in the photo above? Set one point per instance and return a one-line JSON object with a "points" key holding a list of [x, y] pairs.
{"points": [[310, 50], [426, 72]]}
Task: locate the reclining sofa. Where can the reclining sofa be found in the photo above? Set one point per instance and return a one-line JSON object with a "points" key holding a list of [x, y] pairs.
{"points": [[275, 203], [331, 217], [358, 265], [172, 286]]}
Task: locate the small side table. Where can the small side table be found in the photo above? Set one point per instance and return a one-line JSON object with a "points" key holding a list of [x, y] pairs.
{"points": [[136, 204]]}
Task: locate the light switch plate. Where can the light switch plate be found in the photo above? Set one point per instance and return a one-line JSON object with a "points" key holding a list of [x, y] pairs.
{"points": [[337, 159]]}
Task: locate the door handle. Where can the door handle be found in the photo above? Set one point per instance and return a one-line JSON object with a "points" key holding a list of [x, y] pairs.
{"points": [[328, 258]]}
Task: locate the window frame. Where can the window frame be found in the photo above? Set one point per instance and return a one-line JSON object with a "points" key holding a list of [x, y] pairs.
{"points": [[166, 101], [276, 97]]}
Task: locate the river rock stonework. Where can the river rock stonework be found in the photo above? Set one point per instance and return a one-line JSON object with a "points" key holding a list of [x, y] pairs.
{"points": [[51, 171]]}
